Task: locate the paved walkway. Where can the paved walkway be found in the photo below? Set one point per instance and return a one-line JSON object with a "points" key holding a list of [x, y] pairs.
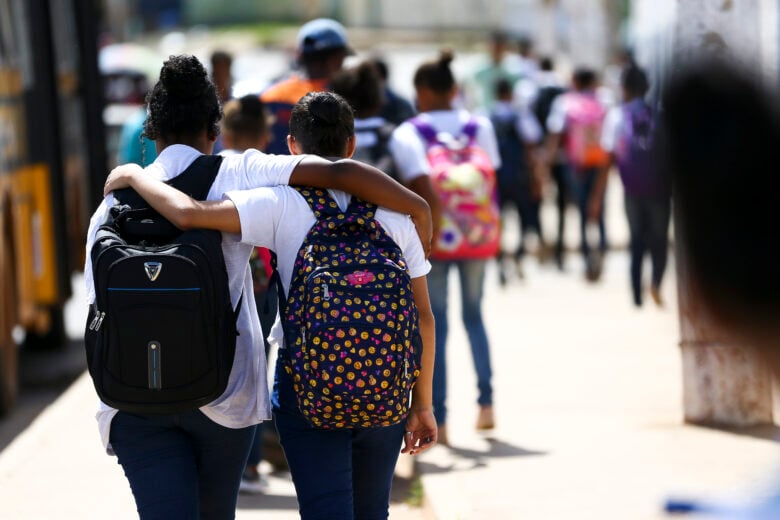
{"points": [[587, 403]]}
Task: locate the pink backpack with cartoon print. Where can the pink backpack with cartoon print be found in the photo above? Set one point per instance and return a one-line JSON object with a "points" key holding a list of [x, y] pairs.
{"points": [[465, 182], [584, 120]]}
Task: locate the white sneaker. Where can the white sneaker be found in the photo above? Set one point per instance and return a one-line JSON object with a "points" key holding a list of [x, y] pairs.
{"points": [[252, 483]]}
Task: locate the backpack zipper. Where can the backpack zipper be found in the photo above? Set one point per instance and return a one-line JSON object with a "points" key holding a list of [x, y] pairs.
{"points": [[97, 321]]}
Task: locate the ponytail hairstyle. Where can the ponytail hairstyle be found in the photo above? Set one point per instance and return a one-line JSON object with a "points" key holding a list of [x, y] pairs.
{"points": [[183, 102], [436, 75], [322, 123], [361, 87]]}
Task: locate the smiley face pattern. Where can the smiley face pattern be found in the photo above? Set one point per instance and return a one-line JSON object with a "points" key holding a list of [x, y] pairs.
{"points": [[350, 322]]}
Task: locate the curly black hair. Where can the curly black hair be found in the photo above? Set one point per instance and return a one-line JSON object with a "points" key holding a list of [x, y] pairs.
{"points": [[183, 102], [322, 123]]}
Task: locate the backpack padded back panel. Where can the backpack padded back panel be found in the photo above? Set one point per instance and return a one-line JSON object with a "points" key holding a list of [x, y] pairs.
{"points": [[352, 341], [161, 335]]}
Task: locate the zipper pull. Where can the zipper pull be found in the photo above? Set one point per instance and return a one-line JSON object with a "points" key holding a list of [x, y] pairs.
{"points": [[406, 368], [94, 321], [325, 291], [100, 321]]}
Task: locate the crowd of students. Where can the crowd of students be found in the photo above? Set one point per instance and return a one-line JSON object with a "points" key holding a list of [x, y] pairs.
{"points": [[466, 150]]}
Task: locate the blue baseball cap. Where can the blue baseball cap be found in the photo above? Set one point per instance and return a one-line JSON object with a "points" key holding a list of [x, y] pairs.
{"points": [[322, 34]]}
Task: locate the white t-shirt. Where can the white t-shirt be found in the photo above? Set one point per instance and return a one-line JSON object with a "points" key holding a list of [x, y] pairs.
{"points": [[245, 401], [611, 129], [409, 149], [279, 218]]}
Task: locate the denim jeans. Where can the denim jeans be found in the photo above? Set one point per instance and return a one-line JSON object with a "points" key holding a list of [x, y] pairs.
{"points": [[582, 183], [648, 223], [182, 466], [338, 474], [472, 277]]}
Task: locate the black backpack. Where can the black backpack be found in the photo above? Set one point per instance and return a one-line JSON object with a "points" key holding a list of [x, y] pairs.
{"points": [[543, 104], [378, 155], [161, 336]]}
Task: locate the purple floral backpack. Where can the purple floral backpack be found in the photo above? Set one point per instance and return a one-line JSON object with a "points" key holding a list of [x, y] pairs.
{"points": [[350, 322]]}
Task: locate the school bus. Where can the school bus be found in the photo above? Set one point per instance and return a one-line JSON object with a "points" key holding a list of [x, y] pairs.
{"points": [[52, 165]]}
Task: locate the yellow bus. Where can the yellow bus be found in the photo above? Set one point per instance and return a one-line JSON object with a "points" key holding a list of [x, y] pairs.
{"points": [[52, 165]]}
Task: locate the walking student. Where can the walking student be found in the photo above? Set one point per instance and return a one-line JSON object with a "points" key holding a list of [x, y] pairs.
{"points": [[339, 471], [189, 464], [416, 146], [629, 138], [575, 123]]}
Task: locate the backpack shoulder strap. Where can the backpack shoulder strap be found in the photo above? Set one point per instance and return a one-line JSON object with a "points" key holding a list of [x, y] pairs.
{"points": [[319, 200], [197, 179], [471, 128], [425, 129]]}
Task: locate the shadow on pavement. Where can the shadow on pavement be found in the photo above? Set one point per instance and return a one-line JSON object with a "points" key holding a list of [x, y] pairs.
{"points": [[478, 458], [266, 501]]}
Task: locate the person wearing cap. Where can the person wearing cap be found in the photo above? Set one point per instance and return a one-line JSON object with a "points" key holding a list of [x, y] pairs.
{"points": [[321, 46]]}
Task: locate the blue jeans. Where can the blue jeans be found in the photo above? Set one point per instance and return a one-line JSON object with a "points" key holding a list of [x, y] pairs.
{"points": [[582, 183], [472, 277], [182, 466], [648, 223], [338, 474]]}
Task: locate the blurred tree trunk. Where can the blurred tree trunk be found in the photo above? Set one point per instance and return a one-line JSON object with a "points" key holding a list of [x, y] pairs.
{"points": [[723, 383]]}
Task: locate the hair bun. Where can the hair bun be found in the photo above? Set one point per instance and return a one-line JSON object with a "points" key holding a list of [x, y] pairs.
{"points": [[184, 77], [325, 109], [446, 56]]}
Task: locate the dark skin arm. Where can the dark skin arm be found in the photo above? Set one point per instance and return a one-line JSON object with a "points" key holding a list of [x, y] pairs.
{"points": [[422, 186], [359, 179], [599, 188]]}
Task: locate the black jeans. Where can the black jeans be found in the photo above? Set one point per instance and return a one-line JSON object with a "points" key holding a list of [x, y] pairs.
{"points": [[648, 223]]}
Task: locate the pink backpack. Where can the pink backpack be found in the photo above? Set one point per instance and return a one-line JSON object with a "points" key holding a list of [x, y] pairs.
{"points": [[465, 182], [584, 119]]}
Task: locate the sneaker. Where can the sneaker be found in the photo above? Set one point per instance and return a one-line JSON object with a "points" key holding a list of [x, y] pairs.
{"points": [[252, 482], [655, 293], [485, 419]]}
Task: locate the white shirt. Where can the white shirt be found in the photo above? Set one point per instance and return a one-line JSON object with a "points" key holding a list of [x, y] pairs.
{"points": [[245, 400], [611, 129], [279, 218], [409, 148], [559, 110]]}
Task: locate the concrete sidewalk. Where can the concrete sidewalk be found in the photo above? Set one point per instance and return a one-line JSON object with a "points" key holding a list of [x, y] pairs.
{"points": [[588, 409]]}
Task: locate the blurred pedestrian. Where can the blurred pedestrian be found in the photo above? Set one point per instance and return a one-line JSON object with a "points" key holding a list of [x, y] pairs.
{"points": [[575, 124], [395, 108], [548, 88], [222, 76], [361, 87], [517, 134], [321, 49], [629, 138], [480, 88], [411, 143]]}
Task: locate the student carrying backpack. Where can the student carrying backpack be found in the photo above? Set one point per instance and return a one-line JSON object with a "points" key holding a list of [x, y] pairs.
{"points": [[161, 335], [189, 464], [449, 157], [354, 276], [629, 137]]}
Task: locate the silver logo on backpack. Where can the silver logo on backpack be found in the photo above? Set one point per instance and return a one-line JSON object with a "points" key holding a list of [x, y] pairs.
{"points": [[152, 270]]}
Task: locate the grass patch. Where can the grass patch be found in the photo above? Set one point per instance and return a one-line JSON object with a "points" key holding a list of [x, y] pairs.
{"points": [[415, 496]]}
